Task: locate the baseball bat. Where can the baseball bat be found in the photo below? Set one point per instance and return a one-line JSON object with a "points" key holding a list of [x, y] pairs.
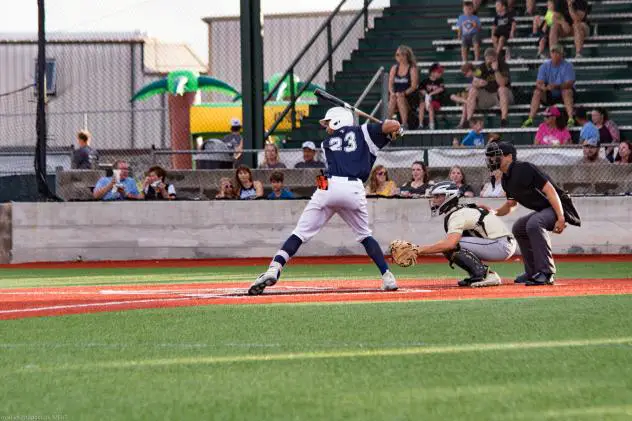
{"points": [[337, 101]]}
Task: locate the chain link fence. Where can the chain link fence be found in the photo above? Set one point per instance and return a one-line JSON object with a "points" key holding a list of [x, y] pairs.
{"points": [[567, 165]]}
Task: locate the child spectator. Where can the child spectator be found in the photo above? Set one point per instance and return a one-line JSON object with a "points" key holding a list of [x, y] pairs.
{"points": [[247, 188], [271, 157], [542, 26], [278, 191], [154, 186], [418, 183], [504, 26], [380, 184], [624, 154], [403, 80], [458, 177], [474, 137], [494, 137], [553, 131], [588, 131], [460, 98], [432, 91], [469, 32], [84, 157], [608, 130], [226, 190]]}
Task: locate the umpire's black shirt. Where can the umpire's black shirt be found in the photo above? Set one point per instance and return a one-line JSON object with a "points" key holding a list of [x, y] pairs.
{"points": [[524, 183]]}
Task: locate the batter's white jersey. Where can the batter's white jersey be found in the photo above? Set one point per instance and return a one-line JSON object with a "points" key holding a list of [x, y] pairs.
{"points": [[350, 153]]}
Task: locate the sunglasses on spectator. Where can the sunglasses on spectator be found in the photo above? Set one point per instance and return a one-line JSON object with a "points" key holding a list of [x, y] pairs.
{"points": [[381, 173]]}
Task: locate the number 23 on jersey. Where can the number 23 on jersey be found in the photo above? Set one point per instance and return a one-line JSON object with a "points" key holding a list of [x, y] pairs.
{"points": [[348, 144]]}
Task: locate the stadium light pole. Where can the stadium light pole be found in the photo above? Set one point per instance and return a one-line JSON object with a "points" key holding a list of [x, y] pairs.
{"points": [[251, 23]]}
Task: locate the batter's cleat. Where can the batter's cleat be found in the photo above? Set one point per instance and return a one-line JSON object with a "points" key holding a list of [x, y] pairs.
{"points": [[522, 279], [541, 279], [388, 281], [491, 280], [266, 279], [466, 282]]}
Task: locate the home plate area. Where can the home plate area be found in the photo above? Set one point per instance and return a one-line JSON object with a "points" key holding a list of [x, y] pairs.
{"points": [[35, 302]]}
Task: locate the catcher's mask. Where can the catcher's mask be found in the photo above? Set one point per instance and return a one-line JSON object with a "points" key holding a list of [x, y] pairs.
{"points": [[495, 152], [445, 197]]}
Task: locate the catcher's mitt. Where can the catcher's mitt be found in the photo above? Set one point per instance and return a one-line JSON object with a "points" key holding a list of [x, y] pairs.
{"points": [[404, 253]]}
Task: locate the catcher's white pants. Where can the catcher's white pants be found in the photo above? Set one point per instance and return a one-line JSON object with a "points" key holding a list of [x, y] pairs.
{"points": [[344, 197], [487, 249]]}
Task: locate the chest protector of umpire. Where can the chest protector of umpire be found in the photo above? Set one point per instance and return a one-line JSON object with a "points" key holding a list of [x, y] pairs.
{"points": [[479, 224]]}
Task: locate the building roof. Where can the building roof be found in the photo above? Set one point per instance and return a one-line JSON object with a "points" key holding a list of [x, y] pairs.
{"points": [[162, 58], [291, 15], [75, 37]]}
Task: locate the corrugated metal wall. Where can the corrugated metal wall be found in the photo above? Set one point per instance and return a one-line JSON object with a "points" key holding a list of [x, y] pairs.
{"points": [[284, 36], [94, 84]]}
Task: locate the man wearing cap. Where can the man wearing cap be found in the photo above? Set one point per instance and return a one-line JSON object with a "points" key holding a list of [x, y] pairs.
{"points": [[491, 87], [589, 139], [527, 185], [309, 152], [234, 141], [555, 83]]}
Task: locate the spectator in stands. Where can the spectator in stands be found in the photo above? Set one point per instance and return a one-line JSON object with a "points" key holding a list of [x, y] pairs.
{"points": [[608, 130], [624, 154], [271, 157], [278, 191], [542, 27], [474, 136], [570, 20], [403, 81], [432, 91], [504, 27], [589, 131], [309, 155], [553, 131], [491, 87], [218, 156], [469, 32], [460, 98], [590, 147], [84, 157], [154, 186], [494, 137], [226, 190], [555, 82], [234, 141], [458, 177], [380, 184], [118, 187], [530, 9], [247, 188], [418, 183], [495, 189]]}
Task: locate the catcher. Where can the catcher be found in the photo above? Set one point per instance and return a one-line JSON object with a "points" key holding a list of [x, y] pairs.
{"points": [[473, 234]]}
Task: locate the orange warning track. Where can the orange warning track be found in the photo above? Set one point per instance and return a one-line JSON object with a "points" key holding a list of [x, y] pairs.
{"points": [[37, 302]]}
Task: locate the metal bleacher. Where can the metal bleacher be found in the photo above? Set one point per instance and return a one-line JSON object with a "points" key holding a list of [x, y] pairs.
{"points": [[604, 73]]}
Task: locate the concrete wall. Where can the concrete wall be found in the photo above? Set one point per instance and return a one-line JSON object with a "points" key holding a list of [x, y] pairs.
{"points": [[5, 233], [144, 230]]}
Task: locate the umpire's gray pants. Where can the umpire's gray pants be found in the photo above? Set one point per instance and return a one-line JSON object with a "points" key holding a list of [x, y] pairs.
{"points": [[532, 233], [487, 249]]}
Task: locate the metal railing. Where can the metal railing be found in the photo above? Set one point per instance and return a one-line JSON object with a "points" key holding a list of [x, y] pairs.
{"points": [[331, 49], [379, 75]]}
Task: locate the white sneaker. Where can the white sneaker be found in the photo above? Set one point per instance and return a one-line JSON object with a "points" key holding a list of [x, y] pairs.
{"points": [[388, 281], [266, 279], [491, 280]]}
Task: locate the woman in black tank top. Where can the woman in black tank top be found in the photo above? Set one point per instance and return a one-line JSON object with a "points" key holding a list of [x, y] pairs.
{"points": [[403, 81]]}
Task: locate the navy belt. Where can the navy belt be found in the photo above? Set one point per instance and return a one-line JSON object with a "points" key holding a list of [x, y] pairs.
{"points": [[348, 178]]}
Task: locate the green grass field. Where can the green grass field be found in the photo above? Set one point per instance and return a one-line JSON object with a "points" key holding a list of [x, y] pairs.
{"points": [[511, 359]]}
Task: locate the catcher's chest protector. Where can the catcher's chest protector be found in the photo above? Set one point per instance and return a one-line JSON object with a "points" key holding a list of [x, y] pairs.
{"points": [[480, 223]]}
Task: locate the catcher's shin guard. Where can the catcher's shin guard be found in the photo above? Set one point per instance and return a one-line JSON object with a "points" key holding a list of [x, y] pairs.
{"points": [[470, 263]]}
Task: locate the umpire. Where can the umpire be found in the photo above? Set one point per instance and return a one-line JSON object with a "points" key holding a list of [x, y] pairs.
{"points": [[527, 185]]}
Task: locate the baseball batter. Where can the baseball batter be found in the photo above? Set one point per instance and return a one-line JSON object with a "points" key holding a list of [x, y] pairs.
{"points": [[473, 234], [350, 152]]}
